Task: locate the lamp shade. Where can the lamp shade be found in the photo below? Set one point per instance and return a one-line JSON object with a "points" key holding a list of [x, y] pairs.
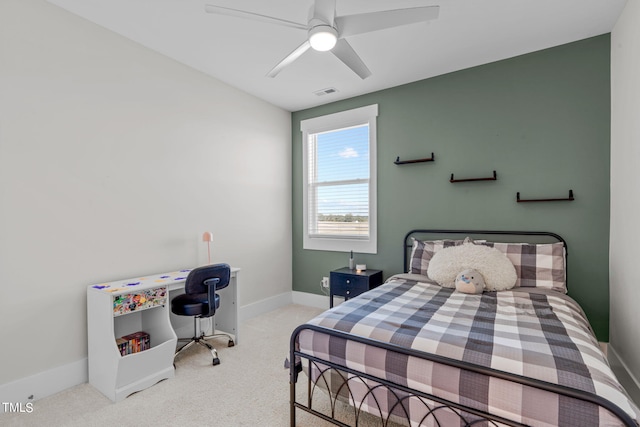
{"points": [[207, 236]]}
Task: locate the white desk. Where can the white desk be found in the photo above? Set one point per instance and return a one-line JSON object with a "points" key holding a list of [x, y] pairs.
{"points": [[125, 306]]}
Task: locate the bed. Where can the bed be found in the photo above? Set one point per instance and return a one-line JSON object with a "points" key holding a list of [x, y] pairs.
{"points": [[411, 352]]}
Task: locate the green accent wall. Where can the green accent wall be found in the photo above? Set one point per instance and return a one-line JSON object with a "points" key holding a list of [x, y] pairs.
{"points": [[541, 120]]}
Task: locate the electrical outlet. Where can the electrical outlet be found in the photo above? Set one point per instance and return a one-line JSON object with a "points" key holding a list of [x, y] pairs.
{"points": [[325, 282]]}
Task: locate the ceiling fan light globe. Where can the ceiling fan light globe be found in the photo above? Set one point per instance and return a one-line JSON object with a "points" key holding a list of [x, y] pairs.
{"points": [[323, 38]]}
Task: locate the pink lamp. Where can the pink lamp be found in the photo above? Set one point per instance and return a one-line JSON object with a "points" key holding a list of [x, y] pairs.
{"points": [[208, 237]]}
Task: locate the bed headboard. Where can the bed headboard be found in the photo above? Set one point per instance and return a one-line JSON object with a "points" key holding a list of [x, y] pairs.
{"points": [[495, 235]]}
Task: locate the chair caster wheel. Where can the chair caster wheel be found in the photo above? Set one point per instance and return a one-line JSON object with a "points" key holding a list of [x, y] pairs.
{"points": [[231, 343], [216, 361]]}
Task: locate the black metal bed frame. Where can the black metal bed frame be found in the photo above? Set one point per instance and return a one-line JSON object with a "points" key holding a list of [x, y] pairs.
{"points": [[434, 405]]}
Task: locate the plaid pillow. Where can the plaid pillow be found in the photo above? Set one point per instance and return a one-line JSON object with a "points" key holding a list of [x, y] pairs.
{"points": [[423, 250], [537, 265]]}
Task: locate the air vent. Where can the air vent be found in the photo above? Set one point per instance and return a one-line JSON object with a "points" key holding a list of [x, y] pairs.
{"points": [[327, 91]]}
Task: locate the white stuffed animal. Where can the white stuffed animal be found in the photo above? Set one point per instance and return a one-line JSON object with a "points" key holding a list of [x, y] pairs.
{"points": [[470, 282]]}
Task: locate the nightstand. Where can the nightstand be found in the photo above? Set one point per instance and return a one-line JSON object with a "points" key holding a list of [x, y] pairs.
{"points": [[348, 283]]}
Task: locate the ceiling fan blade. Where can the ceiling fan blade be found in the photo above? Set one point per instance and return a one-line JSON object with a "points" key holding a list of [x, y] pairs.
{"points": [[289, 58], [350, 25], [325, 11], [345, 53], [219, 10]]}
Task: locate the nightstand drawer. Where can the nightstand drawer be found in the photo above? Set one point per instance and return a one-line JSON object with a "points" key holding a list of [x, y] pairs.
{"points": [[348, 283], [344, 285]]}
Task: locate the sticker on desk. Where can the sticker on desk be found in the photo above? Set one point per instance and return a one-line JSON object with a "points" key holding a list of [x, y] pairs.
{"points": [[148, 298], [132, 285]]}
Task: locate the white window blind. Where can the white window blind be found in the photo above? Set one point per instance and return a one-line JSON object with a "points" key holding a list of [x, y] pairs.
{"points": [[340, 182]]}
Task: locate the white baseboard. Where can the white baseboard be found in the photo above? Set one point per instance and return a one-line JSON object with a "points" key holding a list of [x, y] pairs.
{"points": [[311, 300], [55, 380], [314, 300], [604, 346], [626, 378], [264, 306], [45, 383]]}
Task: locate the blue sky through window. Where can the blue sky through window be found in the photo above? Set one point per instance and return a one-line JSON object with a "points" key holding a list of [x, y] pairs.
{"points": [[343, 155]]}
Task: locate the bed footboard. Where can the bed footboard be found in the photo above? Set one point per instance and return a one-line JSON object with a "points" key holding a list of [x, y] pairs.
{"points": [[393, 402]]}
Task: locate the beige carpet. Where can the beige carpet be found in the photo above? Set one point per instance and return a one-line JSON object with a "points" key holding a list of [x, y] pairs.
{"points": [[249, 388]]}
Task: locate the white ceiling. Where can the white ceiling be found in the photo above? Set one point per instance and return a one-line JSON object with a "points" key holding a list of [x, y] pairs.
{"points": [[241, 52]]}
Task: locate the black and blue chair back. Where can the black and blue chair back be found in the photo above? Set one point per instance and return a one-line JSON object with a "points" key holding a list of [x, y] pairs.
{"points": [[200, 297]]}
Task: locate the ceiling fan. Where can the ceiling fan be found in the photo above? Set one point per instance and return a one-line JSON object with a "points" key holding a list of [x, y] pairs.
{"points": [[328, 32]]}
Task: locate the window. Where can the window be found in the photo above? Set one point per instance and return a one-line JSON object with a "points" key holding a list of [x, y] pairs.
{"points": [[339, 169]]}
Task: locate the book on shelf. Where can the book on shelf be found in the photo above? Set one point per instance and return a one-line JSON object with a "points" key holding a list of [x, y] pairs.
{"points": [[133, 343], [122, 346]]}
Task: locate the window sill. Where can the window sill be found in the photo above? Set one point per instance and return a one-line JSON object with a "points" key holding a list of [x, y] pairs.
{"points": [[341, 245]]}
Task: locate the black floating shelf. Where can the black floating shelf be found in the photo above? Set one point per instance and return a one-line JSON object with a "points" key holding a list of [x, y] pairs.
{"points": [[568, 199], [406, 162], [493, 178]]}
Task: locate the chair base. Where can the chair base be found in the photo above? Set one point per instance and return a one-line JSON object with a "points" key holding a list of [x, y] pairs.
{"points": [[202, 340]]}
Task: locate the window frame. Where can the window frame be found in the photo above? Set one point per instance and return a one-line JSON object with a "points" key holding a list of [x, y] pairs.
{"points": [[356, 117]]}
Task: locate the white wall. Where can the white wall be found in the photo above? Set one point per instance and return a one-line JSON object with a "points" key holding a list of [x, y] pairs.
{"points": [[113, 161], [625, 182]]}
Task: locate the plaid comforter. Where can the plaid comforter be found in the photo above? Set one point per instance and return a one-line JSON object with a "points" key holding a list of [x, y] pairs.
{"points": [[535, 333]]}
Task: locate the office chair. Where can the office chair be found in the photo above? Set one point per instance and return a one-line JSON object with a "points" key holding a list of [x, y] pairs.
{"points": [[201, 301]]}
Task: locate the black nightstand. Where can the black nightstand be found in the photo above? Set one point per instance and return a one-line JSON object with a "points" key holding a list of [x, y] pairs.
{"points": [[348, 283]]}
